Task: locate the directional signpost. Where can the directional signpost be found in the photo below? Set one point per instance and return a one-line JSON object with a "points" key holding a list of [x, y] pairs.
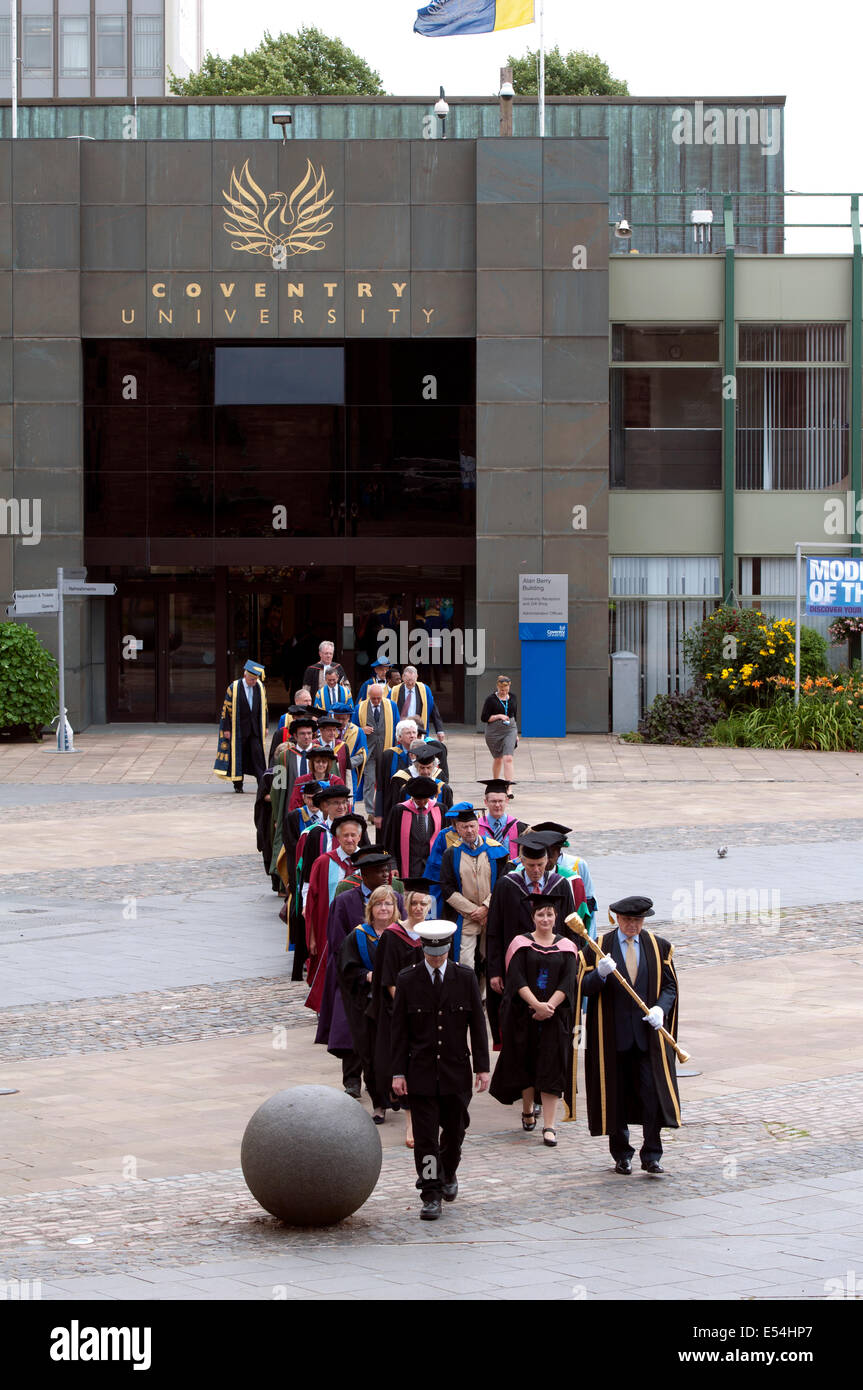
{"points": [[71, 583], [33, 601]]}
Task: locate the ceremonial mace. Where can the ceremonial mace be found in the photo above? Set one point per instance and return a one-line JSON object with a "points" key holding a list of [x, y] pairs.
{"points": [[575, 923]]}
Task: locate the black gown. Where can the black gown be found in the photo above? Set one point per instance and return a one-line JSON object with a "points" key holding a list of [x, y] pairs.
{"points": [[356, 991], [394, 954], [534, 1053]]}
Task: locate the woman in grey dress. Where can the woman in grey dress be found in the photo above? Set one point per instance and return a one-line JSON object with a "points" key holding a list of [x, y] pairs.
{"points": [[500, 716]]}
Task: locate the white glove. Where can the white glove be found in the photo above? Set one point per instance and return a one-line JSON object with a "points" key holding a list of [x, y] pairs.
{"points": [[654, 1017], [605, 967]]}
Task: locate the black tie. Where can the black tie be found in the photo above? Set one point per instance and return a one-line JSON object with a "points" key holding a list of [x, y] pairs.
{"points": [[304, 766], [438, 984], [424, 827], [377, 714]]}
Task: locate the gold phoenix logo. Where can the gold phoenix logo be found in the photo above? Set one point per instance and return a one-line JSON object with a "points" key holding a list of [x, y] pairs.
{"points": [[273, 224]]}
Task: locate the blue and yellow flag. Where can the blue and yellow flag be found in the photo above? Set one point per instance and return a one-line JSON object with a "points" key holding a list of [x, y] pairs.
{"points": [[445, 17]]}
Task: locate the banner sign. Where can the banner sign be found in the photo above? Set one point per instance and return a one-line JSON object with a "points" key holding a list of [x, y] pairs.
{"points": [[834, 586]]}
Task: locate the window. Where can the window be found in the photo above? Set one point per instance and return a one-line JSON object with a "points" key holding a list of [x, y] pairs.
{"points": [[74, 46], [666, 412], [37, 46], [654, 600], [147, 58], [5, 49], [280, 375], [111, 45], [792, 419]]}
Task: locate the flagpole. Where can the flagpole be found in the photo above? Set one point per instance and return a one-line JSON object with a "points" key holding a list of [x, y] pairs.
{"points": [[542, 67]]}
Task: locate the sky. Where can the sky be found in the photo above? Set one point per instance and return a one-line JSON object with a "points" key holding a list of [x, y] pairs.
{"points": [[809, 54]]}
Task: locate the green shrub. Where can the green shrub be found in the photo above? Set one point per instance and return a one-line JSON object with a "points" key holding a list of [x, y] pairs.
{"points": [[28, 680], [736, 653], [825, 719], [683, 718]]}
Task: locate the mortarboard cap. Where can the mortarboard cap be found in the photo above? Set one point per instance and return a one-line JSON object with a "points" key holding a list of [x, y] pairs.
{"points": [[368, 856], [423, 786], [331, 793], [255, 668], [634, 906], [416, 885], [532, 846], [349, 816], [496, 784]]}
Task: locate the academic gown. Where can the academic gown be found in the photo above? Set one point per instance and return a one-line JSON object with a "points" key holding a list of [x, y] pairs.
{"points": [[396, 951], [600, 1064], [264, 823], [444, 840], [396, 835], [399, 789], [346, 910], [356, 958], [508, 836], [449, 879], [297, 824], [229, 757], [509, 916], [327, 870], [533, 1052], [353, 739]]}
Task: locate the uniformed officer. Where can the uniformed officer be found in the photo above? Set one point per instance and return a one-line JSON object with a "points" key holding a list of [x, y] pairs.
{"points": [[436, 1004]]}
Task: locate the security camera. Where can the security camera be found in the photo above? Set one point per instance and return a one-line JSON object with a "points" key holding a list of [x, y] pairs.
{"points": [[507, 92], [622, 229], [441, 108]]}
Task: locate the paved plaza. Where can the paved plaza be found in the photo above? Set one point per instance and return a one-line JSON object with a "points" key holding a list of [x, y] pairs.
{"points": [[146, 1010]]}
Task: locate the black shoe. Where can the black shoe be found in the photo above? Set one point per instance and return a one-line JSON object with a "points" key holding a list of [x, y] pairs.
{"points": [[238, 786], [450, 1190], [354, 1092], [653, 1167], [430, 1209], [623, 1165]]}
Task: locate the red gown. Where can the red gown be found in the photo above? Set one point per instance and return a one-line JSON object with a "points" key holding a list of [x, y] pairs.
{"points": [[328, 871]]}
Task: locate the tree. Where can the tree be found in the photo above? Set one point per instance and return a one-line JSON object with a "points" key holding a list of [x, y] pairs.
{"points": [[307, 63], [577, 74]]}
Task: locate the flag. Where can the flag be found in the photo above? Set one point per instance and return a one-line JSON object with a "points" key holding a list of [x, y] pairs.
{"points": [[445, 17]]}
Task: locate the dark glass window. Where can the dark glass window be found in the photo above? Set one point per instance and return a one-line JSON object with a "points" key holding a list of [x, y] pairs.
{"points": [[115, 439], [280, 375], [180, 503], [115, 504], [301, 438], [398, 372], [180, 373], [108, 367], [314, 504], [179, 439], [664, 343], [666, 428]]}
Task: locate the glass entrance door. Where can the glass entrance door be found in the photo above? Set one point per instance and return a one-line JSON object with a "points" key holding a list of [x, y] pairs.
{"points": [[281, 625], [162, 656]]}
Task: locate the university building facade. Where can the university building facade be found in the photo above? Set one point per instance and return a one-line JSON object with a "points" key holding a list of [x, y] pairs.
{"points": [[363, 377]]}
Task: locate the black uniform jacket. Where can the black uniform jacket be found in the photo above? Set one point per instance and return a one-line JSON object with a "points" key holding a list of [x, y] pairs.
{"points": [[429, 1045]]}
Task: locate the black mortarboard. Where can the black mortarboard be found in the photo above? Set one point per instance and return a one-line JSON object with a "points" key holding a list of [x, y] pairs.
{"points": [[464, 813], [634, 906], [369, 856], [561, 830], [330, 793], [533, 846], [316, 751], [416, 885], [496, 784], [423, 786], [550, 838], [311, 788], [425, 753], [299, 709], [349, 816], [300, 722], [328, 721]]}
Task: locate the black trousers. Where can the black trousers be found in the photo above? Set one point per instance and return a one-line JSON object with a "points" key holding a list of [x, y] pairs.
{"points": [[635, 1077], [439, 1127], [252, 754]]}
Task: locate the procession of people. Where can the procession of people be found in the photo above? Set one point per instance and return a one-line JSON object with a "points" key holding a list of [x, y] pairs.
{"points": [[427, 929]]}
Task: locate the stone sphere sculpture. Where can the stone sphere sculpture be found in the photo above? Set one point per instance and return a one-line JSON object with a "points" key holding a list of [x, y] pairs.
{"points": [[311, 1155]]}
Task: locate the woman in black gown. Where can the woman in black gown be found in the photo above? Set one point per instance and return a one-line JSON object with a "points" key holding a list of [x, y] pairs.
{"points": [[399, 947], [355, 970], [536, 1019]]}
